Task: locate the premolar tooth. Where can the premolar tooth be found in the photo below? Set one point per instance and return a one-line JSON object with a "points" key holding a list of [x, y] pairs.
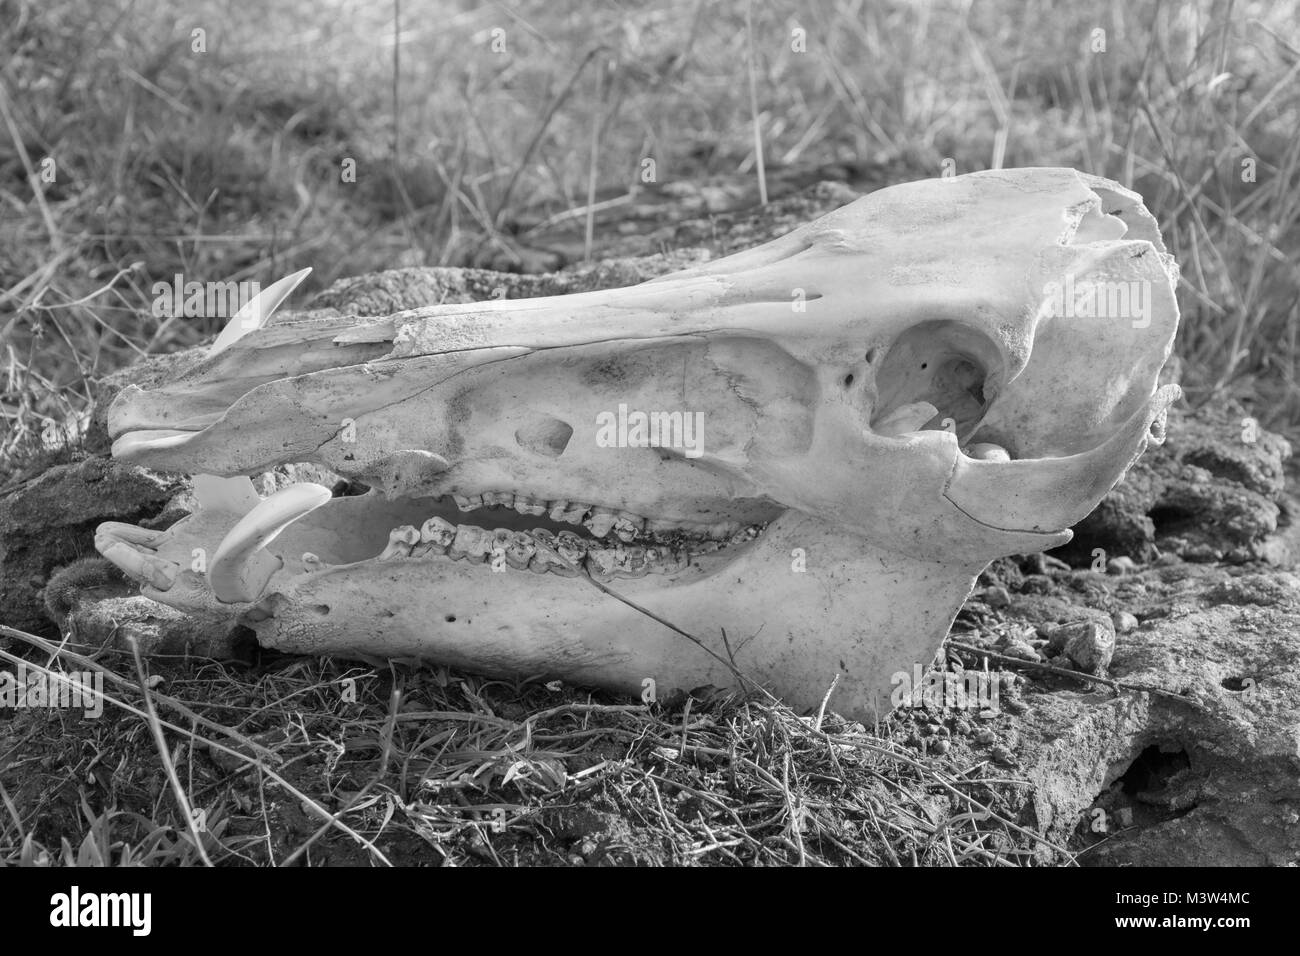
{"points": [[472, 543], [908, 418], [529, 506], [400, 542], [600, 521], [468, 502], [746, 534], [628, 526], [311, 562]]}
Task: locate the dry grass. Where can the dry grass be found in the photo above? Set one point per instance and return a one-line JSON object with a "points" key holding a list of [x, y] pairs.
{"points": [[426, 766]]}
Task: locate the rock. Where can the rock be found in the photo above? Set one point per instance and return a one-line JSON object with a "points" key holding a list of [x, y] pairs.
{"points": [[1087, 643], [996, 597], [49, 521], [1201, 494], [1022, 651], [1091, 647], [1124, 622]]}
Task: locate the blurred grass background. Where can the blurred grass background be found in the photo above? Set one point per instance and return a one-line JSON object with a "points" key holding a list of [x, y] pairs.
{"points": [[225, 164]]}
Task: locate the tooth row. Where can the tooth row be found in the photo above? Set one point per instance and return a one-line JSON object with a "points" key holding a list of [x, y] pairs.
{"points": [[600, 521], [540, 550]]}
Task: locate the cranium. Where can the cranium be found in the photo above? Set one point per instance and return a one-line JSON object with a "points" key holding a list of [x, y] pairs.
{"points": [[873, 407]]}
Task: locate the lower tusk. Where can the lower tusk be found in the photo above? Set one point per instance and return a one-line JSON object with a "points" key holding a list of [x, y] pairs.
{"points": [[241, 568]]}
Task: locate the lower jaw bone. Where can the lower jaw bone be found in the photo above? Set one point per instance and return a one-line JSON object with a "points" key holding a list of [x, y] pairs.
{"points": [[785, 629]]}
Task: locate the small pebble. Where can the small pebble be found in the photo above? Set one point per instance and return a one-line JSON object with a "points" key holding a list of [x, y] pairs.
{"points": [[1022, 651], [996, 597], [1124, 621], [1003, 756], [1121, 565], [986, 737], [941, 746]]}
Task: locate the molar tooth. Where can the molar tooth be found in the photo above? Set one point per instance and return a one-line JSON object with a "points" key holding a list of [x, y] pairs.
{"points": [[628, 526], [472, 543], [569, 512], [746, 534], [602, 561], [571, 547], [438, 532], [600, 521], [520, 549], [500, 542], [529, 506], [547, 558], [663, 560], [400, 542], [468, 502], [722, 531], [663, 525], [630, 560], [499, 498]]}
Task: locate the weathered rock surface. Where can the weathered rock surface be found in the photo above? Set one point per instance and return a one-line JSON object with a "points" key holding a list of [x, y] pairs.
{"points": [[1202, 767], [1212, 492], [49, 521]]}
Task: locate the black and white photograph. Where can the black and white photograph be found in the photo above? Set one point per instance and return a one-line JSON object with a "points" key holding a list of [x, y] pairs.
{"points": [[642, 435]]}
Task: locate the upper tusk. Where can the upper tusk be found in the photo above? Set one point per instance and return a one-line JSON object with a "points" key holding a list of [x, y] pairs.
{"points": [[256, 311]]}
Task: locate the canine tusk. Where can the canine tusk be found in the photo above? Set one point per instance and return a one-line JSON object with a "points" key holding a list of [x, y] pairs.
{"points": [[241, 568], [256, 311]]}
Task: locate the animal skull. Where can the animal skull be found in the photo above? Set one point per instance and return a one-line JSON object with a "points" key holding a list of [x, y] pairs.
{"points": [[873, 407]]}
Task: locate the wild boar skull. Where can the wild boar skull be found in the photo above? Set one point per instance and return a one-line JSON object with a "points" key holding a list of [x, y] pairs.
{"points": [[801, 455]]}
